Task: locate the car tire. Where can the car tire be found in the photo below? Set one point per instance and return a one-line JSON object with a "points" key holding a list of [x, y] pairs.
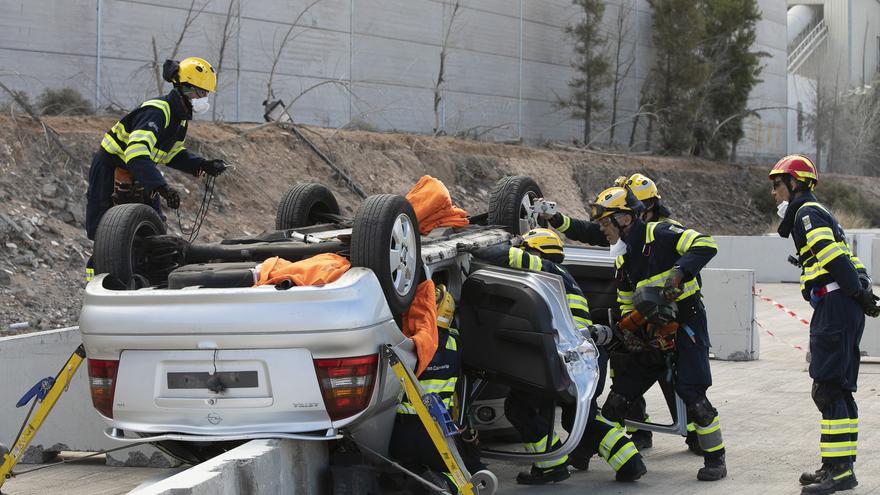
{"points": [[383, 226], [302, 205], [509, 203], [119, 250]]}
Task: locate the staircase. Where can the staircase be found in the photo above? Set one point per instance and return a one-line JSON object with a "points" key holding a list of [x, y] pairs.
{"points": [[804, 46]]}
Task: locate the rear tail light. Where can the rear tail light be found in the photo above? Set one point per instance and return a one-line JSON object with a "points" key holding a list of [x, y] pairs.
{"points": [[346, 384], [102, 384]]}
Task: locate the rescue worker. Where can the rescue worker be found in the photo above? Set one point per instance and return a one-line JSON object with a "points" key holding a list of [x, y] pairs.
{"points": [[541, 250], [665, 255], [126, 167], [645, 190], [410, 443], [839, 289]]}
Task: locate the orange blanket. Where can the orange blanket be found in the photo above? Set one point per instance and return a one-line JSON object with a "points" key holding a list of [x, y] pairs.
{"points": [[318, 270], [433, 205], [420, 324]]}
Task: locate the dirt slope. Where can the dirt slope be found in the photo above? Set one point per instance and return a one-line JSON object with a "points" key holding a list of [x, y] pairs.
{"points": [[43, 246]]}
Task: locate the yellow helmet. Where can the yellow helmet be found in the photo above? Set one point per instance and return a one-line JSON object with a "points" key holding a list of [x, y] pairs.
{"points": [[643, 187], [546, 242], [445, 306], [197, 72], [613, 200]]}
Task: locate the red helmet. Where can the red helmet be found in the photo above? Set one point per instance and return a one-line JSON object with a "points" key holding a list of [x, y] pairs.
{"points": [[799, 167]]}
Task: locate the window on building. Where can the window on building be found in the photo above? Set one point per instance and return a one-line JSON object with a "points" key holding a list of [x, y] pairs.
{"points": [[800, 122]]}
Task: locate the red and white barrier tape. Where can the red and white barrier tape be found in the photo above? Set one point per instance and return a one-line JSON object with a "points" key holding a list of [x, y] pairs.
{"points": [[785, 310]]}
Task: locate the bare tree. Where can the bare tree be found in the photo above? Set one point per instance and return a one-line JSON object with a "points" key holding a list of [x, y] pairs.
{"points": [[288, 37], [228, 31], [441, 71], [192, 13], [623, 62]]}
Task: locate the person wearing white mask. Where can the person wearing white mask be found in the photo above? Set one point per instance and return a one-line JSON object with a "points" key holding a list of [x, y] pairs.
{"points": [[126, 167]]}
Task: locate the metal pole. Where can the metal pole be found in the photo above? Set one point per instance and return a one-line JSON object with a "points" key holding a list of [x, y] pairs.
{"points": [[238, 67], [519, 117], [350, 58], [98, 58]]}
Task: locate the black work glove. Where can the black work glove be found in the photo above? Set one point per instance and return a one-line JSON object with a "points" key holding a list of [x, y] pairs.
{"points": [[868, 301], [214, 167], [672, 287], [172, 197]]}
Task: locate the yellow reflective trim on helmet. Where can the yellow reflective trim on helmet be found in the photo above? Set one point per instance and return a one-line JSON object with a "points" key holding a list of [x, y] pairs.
{"points": [[161, 105]]}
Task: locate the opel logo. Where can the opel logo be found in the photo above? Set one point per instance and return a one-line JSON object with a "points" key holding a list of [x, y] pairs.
{"points": [[214, 418]]}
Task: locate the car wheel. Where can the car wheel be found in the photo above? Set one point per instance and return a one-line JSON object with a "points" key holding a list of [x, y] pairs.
{"points": [[510, 204], [385, 238], [303, 204], [120, 250]]}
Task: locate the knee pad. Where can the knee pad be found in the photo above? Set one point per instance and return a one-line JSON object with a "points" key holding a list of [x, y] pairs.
{"points": [[615, 407], [702, 412], [825, 394]]}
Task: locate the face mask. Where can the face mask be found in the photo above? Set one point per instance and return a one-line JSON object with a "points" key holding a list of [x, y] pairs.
{"points": [[200, 105], [618, 248], [781, 208]]}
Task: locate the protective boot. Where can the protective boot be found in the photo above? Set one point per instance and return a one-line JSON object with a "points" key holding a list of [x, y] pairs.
{"points": [[581, 462], [712, 470], [838, 477], [816, 477], [631, 471], [542, 476], [693, 443], [642, 439]]}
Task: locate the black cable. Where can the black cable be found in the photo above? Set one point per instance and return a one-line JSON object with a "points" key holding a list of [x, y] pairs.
{"points": [[202, 212]]}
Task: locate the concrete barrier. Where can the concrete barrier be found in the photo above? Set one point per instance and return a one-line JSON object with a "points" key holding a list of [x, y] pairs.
{"points": [[765, 255], [258, 467], [74, 424], [730, 309]]}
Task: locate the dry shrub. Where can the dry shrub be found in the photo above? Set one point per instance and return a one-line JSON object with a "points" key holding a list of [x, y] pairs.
{"points": [[852, 220], [64, 101]]}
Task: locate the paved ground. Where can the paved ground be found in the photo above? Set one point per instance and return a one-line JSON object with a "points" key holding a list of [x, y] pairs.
{"points": [[770, 424], [769, 421]]}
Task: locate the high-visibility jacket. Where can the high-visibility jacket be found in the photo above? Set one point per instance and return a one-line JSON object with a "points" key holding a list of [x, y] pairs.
{"points": [[823, 251], [653, 251], [151, 135], [587, 231], [515, 257], [441, 374]]}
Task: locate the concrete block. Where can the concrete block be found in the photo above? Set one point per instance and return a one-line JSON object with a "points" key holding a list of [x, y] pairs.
{"points": [[766, 255], [257, 467], [74, 424], [730, 309]]}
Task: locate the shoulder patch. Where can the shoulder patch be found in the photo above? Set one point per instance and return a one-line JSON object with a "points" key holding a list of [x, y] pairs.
{"points": [[806, 220], [676, 229]]}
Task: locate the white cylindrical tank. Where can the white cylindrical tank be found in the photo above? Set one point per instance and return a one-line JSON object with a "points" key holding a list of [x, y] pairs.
{"points": [[799, 18]]}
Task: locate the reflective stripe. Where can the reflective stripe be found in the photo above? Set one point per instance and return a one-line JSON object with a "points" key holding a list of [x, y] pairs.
{"points": [[608, 442], [685, 240], [161, 105], [625, 300], [111, 146], [649, 232], [623, 455], [540, 447], [689, 288], [90, 274], [838, 426], [566, 223], [142, 135], [535, 263], [692, 426], [710, 436], [844, 474], [576, 301], [837, 449], [828, 253], [618, 262], [451, 344], [405, 408], [707, 241], [135, 150], [177, 148]]}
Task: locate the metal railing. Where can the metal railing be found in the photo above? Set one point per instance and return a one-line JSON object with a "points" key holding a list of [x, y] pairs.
{"points": [[806, 45]]}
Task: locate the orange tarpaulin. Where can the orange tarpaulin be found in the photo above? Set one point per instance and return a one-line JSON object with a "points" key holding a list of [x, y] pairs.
{"points": [[318, 270], [420, 324], [433, 205]]}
